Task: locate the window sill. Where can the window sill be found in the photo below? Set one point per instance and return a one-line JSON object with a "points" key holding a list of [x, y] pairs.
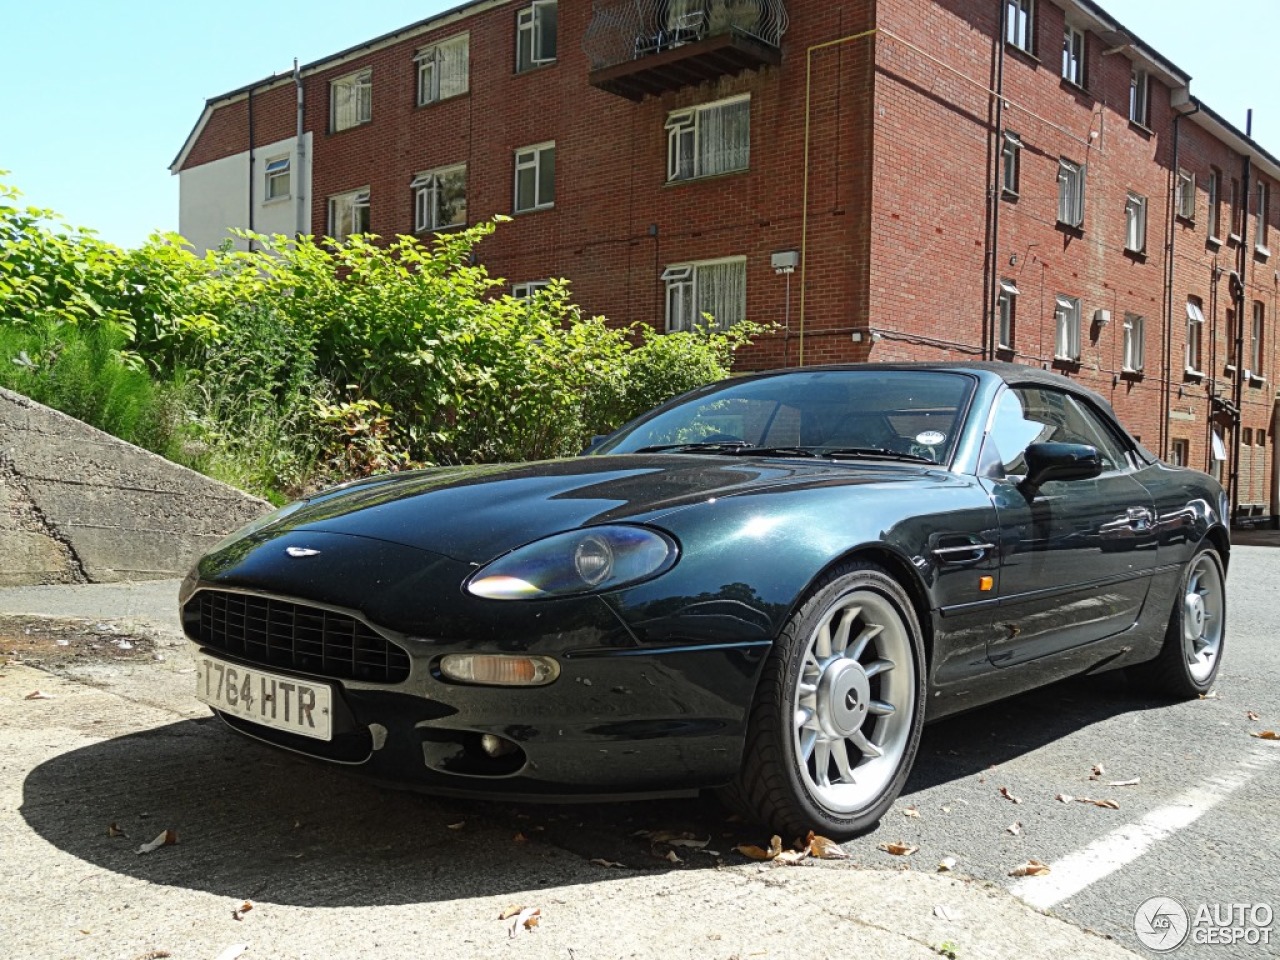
{"points": [[1138, 255], [1261, 252], [521, 213], [1027, 55], [535, 67], [277, 201], [1254, 380], [1137, 126], [432, 231], [354, 126], [1128, 374], [1007, 194], [1233, 238], [1190, 374], [431, 103], [706, 176], [1067, 363], [1185, 220], [1075, 229], [1213, 243]]}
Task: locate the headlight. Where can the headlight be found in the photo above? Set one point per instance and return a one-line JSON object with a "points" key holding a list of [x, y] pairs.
{"points": [[261, 523], [582, 561]]}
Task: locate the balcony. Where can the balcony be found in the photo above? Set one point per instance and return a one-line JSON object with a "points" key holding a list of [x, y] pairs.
{"points": [[640, 48]]}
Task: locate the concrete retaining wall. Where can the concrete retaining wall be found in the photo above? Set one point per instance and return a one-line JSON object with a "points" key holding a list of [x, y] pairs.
{"points": [[78, 505]]}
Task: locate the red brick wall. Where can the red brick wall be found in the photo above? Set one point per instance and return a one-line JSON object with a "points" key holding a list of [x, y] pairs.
{"points": [[900, 130]]}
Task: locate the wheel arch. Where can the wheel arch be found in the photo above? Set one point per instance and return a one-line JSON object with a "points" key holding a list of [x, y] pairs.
{"points": [[1220, 540]]}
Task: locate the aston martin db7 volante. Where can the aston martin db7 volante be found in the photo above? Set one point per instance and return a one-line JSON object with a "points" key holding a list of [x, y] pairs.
{"points": [[767, 586]]}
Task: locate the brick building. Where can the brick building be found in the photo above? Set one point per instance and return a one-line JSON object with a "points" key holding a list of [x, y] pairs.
{"points": [[951, 179]]}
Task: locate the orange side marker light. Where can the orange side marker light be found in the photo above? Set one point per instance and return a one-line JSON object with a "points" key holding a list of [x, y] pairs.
{"points": [[986, 583]]}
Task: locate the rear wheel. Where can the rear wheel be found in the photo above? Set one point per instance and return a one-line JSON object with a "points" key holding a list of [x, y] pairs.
{"points": [[1192, 653], [839, 711]]}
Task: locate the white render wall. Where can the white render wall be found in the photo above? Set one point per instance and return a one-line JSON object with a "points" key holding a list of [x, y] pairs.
{"points": [[214, 197]]}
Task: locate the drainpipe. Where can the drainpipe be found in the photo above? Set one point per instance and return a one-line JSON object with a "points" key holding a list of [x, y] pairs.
{"points": [[1238, 296], [300, 155], [1167, 399], [251, 164], [990, 336], [804, 192]]}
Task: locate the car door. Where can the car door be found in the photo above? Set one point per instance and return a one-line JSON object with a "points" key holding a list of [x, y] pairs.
{"points": [[1076, 556]]}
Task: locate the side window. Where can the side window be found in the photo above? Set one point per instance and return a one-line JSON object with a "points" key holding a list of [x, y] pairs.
{"points": [[1027, 415]]}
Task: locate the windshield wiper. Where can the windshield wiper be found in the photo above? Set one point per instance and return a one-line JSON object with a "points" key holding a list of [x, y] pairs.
{"points": [[876, 453], [711, 446]]}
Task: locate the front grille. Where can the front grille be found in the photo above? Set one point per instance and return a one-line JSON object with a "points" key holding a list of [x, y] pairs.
{"points": [[278, 633]]}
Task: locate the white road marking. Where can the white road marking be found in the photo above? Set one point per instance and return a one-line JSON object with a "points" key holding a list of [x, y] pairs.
{"points": [[1123, 845]]}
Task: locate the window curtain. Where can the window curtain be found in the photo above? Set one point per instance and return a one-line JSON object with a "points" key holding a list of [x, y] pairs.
{"points": [[722, 292], [725, 137]]}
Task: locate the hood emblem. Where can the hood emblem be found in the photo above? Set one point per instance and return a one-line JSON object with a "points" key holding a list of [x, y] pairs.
{"points": [[301, 552]]}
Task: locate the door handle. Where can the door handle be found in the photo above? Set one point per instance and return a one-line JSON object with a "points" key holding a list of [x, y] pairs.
{"points": [[963, 553], [1140, 518]]}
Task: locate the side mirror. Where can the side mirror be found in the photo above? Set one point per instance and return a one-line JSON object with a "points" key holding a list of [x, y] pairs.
{"points": [[1059, 461], [595, 442]]}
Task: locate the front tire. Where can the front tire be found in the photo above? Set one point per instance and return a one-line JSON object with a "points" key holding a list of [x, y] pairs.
{"points": [[1188, 663], [839, 711]]}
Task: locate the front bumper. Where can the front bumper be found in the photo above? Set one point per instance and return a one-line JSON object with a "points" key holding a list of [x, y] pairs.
{"points": [[621, 719]]}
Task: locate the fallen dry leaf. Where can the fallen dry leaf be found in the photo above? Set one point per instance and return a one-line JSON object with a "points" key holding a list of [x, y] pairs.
{"points": [[456, 826], [945, 808], [674, 857], [113, 830], [946, 864], [166, 839], [825, 849], [601, 862], [1032, 868], [1266, 735], [1105, 804], [509, 912], [1098, 771], [1125, 783], [1004, 792], [910, 812], [755, 853], [148, 955], [1211, 695], [526, 919], [898, 849], [239, 912], [1252, 715], [520, 838], [233, 951], [1064, 798], [1014, 828], [943, 912], [38, 695], [672, 839]]}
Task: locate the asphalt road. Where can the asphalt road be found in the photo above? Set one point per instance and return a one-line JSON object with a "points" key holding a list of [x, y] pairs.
{"points": [[1199, 827]]}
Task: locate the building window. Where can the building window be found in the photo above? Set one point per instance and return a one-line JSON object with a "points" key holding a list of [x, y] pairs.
{"points": [[1010, 164], [1006, 314], [1134, 335], [1231, 340], [535, 177], [1262, 211], [1139, 96], [277, 179], [1073, 55], [443, 69], [1215, 204], [351, 101], [1247, 438], [1185, 200], [715, 287], [1066, 344], [1135, 219], [1071, 193], [440, 198], [1256, 332], [707, 140], [1195, 328], [349, 214], [1020, 24], [1237, 211], [535, 35], [1178, 453], [526, 291]]}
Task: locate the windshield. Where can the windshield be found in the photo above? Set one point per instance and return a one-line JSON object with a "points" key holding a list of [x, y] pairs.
{"points": [[916, 414]]}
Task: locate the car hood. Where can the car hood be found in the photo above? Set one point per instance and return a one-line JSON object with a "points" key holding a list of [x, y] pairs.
{"points": [[474, 514]]}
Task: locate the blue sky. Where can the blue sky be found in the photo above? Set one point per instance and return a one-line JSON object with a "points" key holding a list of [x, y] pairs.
{"points": [[110, 88]]}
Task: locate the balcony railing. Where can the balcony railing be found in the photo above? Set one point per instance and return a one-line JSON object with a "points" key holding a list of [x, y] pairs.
{"points": [[639, 48]]}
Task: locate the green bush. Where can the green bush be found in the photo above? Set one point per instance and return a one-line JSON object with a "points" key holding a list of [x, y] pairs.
{"points": [[310, 361]]}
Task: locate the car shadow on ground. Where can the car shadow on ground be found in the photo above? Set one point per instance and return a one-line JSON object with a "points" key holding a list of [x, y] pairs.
{"points": [[253, 822]]}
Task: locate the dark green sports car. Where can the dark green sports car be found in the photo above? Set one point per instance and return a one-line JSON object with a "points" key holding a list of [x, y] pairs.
{"points": [[766, 586]]}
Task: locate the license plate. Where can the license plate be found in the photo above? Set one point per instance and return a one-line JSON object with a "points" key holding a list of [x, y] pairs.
{"points": [[271, 699]]}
